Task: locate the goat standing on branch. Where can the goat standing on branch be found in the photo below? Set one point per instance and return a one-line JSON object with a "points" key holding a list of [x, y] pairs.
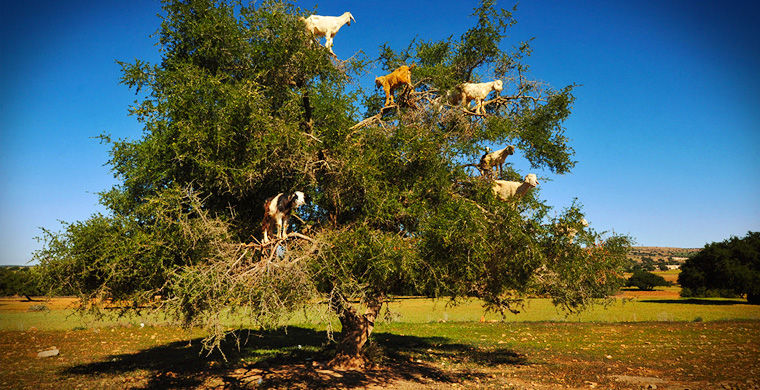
{"points": [[277, 210], [506, 189], [570, 229], [390, 82], [494, 159], [467, 92], [327, 26]]}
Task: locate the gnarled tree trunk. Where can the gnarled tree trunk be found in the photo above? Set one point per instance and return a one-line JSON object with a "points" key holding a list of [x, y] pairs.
{"points": [[355, 331]]}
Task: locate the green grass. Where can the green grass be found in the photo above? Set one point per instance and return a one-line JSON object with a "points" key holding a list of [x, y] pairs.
{"points": [[422, 310], [536, 310], [68, 319]]}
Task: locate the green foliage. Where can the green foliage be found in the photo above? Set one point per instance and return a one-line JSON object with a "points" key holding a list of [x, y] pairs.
{"points": [[727, 268], [244, 105], [644, 280], [19, 281]]}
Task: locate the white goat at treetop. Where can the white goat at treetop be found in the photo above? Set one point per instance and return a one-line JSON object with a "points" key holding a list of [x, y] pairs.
{"points": [[327, 26], [494, 159], [477, 92], [506, 189]]}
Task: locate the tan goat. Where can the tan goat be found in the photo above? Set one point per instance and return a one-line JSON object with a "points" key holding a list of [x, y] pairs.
{"points": [[467, 92], [390, 82], [506, 189], [494, 159]]}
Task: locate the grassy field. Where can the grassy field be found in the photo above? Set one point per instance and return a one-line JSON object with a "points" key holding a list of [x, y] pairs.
{"points": [[630, 306], [642, 339]]}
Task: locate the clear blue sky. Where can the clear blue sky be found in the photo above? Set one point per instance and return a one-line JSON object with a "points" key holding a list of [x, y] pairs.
{"points": [[666, 125]]}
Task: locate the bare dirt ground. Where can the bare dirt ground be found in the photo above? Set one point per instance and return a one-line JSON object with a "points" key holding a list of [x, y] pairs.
{"points": [[719, 355]]}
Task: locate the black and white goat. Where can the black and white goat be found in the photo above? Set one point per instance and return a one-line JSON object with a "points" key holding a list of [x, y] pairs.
{"points": [[277, 210]]}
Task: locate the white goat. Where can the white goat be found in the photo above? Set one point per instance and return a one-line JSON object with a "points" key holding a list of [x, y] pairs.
{"points": [[477, 92], [327, 26], [506, 189], [570, 230], [494, 159]]}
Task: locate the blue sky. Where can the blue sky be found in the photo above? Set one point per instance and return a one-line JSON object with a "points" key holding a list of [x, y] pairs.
{"points": [[666, 125]]}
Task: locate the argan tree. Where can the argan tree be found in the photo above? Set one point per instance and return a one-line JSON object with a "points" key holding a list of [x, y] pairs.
{"points": [[728, 268], [645, 280], [245, 104]]}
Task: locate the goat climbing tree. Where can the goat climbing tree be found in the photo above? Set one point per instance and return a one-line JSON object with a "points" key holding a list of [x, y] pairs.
{"points": [[244, 104]]}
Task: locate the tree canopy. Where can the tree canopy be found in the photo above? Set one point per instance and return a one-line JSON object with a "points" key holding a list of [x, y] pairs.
{"points": [[245, 104], [730, 267], [16, 280], [645, 280]]}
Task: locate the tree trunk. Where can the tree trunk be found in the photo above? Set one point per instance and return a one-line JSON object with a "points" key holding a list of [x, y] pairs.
{"points": [[355, 331]]}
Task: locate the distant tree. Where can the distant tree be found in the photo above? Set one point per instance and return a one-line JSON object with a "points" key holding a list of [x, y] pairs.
{"points": [[630, 265], [644, 280], [730, 267], [19, 281], [244, 105]]}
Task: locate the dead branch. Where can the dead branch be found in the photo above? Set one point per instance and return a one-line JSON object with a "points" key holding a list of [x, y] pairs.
{"points": [[366, 122], [313, 137], [276, 242], [373, 119], [506, 99]]}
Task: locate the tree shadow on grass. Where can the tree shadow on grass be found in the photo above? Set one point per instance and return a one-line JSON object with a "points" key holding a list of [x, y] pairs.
{"points": [[698, 301], [293, 358]]}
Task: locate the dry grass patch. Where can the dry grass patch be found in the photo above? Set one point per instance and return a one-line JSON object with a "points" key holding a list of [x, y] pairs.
{"points": [[17, 304]]}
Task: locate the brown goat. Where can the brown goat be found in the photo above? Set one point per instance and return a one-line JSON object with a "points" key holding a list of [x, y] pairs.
{"points": [[399, 77]]}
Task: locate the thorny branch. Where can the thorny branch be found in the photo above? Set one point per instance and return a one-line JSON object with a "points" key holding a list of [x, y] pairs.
{"points": [[433, 97]]}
